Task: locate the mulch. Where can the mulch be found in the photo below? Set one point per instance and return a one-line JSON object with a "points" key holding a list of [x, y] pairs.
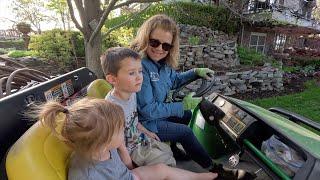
{"points": [[291, 85]]}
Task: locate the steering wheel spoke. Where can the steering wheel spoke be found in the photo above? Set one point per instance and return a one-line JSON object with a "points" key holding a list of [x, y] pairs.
{"points": [[205, 87]]}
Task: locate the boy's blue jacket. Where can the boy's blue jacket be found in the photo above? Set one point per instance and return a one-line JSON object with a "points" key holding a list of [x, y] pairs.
{"points": [[158, 80]]}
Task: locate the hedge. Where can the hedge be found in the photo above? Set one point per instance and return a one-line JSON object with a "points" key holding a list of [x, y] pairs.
{"points": [[214, 17]]}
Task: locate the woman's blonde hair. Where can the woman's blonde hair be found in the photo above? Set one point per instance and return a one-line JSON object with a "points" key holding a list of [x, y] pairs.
{"points": [[89, 124], [140, 43]]}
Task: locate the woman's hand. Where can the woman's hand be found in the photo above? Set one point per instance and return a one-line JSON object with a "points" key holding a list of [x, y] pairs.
{"points": [[204, 73]]}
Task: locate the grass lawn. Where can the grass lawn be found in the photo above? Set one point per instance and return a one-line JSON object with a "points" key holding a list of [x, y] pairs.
{"points": [[306, 103]]}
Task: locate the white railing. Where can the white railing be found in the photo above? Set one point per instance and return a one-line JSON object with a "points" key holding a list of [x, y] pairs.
{"points": [[10, 34]]}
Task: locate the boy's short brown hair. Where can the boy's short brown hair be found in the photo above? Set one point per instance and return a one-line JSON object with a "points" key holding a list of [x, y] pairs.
{"points": [[110, 60]]}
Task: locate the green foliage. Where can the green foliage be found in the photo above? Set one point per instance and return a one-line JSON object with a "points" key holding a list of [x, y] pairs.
{"points": [[20, 53], [79, 43], [196, 14], [56, 46], [291, 69], [308, 70], [306, 103], [3, 51], [305, 61], [6, 50], [17, 44], [250, 56], [29, 11], [210, 40], [194, 40], [60, 8], [119, 37]]}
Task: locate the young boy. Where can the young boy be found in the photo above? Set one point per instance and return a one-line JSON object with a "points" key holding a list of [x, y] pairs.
{"points": [[123, 70]]}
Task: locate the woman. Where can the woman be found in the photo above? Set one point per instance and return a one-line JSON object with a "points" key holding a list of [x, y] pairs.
{"points": [[158, 41]]}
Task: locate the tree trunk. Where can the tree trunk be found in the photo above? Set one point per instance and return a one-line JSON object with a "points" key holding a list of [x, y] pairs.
{"points": [[93, 50], [93, 56]]}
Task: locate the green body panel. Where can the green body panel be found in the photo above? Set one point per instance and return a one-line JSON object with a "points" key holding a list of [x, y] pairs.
{"points": [[297, 133], [209, 137]]}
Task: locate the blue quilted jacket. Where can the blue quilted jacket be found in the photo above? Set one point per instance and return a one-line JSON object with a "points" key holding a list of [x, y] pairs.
{"points": [[158, 80]]}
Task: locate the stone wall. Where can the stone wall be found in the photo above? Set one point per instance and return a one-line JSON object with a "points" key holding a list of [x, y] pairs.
{"points": [[206, 35], [216, 49], [266, 78], [211, 56]]}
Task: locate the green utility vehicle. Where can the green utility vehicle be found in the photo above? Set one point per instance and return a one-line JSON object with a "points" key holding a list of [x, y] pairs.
{"points": [[271, 144]]}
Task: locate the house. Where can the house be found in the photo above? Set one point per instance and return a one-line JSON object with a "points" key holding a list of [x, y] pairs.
{"points": [[274, 26]]}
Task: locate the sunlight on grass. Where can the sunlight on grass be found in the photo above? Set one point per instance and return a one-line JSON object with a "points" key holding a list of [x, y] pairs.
{"points": [[306, 103], [20, 53]]}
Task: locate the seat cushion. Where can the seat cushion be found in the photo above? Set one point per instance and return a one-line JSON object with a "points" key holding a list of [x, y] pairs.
{"points": [[98, 88], [38, 154]]}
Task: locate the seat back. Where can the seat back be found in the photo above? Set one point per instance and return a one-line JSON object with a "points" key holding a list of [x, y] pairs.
{"points": [[38, 154], [98, 88]]}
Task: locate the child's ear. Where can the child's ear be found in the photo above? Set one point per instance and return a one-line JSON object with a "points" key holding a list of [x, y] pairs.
{"points": [[111, 79]]}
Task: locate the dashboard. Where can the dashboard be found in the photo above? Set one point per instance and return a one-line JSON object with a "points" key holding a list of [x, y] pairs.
{"points": [[234, 121]]}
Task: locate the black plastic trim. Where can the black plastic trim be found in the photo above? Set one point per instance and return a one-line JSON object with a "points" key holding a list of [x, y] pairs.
{"points": [[13, 122], [295, 117]]}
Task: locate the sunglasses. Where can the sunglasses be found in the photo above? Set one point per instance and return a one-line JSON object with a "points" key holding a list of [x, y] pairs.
{"points": [[156, 43]]}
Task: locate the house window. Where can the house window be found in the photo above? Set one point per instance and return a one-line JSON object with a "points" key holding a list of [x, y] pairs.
{"points": [[257, 41], [280, 41], [256, 5], [300, 43]]}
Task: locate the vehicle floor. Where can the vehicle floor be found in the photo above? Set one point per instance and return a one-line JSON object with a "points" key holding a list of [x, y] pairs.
{"points": [[245, 163]]}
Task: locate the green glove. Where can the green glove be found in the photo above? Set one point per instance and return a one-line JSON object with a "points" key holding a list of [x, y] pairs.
{"points": [[204, 73], [190, 102]]}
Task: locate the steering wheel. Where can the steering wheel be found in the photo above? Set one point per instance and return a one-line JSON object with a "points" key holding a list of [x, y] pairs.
{"points": [[206, 86]]}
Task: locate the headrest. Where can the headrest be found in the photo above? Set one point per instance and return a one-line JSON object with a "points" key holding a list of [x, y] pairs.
{"points": [[98, 88]]}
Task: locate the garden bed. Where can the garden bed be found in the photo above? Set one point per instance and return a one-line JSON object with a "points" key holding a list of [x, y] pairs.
{"points": [[293, 85]]}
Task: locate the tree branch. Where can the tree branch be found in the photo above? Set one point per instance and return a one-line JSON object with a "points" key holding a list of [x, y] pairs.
{"points": [[235, 12], [134, 1], [133, 15], [76, 23], [82, 12], [111, 7], [102, 19]]}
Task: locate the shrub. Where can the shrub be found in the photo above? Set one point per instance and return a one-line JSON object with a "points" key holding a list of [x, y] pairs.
{"points": [[79, 43], [306, 61], [250, 57], [119, 37], [182, 12], [3, 51], [291, 69], [16, 44], [213, 17], [20, 53], [308, 70], [55, 45], [194, 40]]}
